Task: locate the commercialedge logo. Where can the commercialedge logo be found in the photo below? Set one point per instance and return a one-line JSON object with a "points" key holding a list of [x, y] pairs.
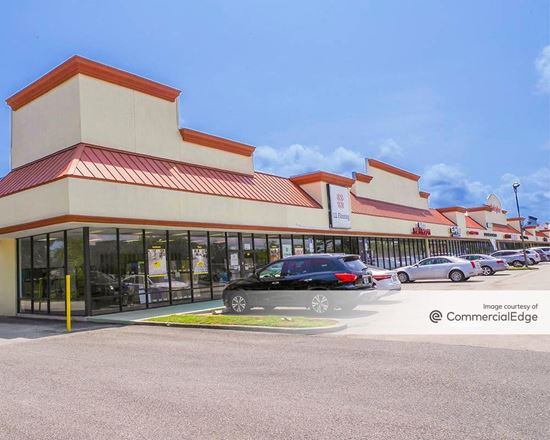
{"points": [[527, 318]]}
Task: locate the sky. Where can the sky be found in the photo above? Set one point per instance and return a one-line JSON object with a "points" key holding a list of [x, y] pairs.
{"points": [[456, 91]]}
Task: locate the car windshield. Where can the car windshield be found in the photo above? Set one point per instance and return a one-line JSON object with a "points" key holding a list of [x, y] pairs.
{"points": [[354, 263]]}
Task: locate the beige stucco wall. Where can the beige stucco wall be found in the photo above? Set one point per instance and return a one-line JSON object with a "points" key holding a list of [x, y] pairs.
{"points": [[125, 119], [48, 124], [38, 203], [8, 277], [85, 109], [392, 188]]}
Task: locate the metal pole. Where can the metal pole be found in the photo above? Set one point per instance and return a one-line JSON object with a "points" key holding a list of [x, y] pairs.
{"points": [[68, 301], [520, 226]]}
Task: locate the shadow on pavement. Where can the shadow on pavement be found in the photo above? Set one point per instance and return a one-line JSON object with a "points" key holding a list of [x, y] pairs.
{"points": [[36, 328]]}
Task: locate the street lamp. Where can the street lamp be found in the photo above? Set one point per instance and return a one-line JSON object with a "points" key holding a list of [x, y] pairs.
{"points": [[515, 185]]}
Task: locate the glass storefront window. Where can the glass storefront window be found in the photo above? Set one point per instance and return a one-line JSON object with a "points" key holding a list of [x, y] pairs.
{"points": [[338, 245], [218, 263], [200, 266], [319, 245], [329, 244], [180, 268], [234, 255], [309, 244], [75, 268], [274, 248], [260, 250], [25, 275], [298, 245], [248, 255], [158, 282], [286, 246], [104, 273], [132, 269], [40, 273], [56, 249]]}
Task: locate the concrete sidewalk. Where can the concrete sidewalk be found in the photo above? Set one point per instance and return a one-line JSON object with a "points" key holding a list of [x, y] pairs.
{"points": [[138, 315]]}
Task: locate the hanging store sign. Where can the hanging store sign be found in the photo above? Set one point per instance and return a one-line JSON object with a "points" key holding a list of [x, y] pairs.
{"points": [[156, 259], [421, 229], [339, 207], [455, 231]]}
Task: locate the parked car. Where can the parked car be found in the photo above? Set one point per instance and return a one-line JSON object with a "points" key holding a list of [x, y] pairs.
{"points": [[543, 255], [533, 256], [385, 281], [319, 282], [489, 265], [512, 257], [545, 249], [437, 268]]}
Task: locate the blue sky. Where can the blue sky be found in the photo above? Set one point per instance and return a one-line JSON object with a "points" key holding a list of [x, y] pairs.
{"points": [[455, 91]]}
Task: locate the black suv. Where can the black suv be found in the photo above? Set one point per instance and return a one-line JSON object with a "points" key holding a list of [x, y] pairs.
{"points": [[320, 282]]}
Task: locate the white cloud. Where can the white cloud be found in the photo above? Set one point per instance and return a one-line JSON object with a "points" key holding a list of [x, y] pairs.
{"points": [[542, 64], [298, 159], [390, 149], [448, 185]]}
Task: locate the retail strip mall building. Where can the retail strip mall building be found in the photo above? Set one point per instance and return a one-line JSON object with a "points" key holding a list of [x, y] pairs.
{"points": [[141, 213]]}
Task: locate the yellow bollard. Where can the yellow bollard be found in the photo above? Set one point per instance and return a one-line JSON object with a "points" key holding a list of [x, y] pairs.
{"points": [[68, 301]]}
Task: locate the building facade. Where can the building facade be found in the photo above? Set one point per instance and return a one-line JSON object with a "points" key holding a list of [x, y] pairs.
{"points": [[105, 186]]}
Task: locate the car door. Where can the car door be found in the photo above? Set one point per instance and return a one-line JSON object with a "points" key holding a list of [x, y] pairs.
{"points": [[442, 267], [423, 269], [264, 290], [294, 280]]}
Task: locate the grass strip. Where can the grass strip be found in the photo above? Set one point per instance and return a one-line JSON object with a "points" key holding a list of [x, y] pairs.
{"points": [[264, 321]]}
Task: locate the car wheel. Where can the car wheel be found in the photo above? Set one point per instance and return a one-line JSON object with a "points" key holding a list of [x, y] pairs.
{"points": [[456, 276], [403, 277], [320, 303], [239, 303], [486, 270], [517, 263]]}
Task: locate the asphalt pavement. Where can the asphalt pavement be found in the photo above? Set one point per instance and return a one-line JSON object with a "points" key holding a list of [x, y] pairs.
{"points": [[135, 382]]}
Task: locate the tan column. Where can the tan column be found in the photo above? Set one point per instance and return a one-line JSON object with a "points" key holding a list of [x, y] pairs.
{"points": [[8, 280]]}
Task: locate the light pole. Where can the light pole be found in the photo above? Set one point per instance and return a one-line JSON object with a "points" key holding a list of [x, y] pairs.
{"points": [[516, 186]]}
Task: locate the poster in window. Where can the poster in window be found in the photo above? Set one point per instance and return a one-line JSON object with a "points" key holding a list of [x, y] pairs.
{"points": [[156, 261], [298, 250], [200, 260], [234, 260], [274, 253]]}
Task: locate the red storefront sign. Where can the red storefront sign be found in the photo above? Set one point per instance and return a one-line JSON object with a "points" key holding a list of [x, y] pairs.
{"points": [[473, 233]]}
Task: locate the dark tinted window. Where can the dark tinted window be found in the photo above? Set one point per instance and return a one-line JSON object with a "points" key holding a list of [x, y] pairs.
{"points": [[354, 264], [296, 266], [323, 265]]}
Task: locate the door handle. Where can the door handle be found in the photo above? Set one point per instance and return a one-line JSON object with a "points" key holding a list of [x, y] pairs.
{"points": [[275, 282], [308, 280]]}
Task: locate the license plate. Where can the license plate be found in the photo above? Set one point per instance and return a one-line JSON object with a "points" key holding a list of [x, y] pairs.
{"points": [[366, 279], [394, 277]]}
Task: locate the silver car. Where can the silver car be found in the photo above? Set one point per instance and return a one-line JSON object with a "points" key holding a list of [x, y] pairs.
{"points": [[512, 256], [489, 265], [437, 268]]}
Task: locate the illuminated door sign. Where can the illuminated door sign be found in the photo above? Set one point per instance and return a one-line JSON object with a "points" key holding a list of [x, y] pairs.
{"points": [[421, 229], [339, 207], [455, 231]]}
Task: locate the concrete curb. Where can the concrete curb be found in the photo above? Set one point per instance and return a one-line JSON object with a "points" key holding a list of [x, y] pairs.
{"points": [[250, 328]]}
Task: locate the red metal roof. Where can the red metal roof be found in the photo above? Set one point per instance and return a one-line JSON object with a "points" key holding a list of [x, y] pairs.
{"points": [[362, 205], [507, 229], [472, 224], [98, 163]]}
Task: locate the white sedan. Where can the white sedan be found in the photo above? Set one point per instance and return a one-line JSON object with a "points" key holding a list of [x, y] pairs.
{"points": [[438, 268]]}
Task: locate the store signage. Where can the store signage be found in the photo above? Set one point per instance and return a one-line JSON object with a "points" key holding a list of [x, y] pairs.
{"points": [[421, 229], [507, 235], [339, 207], [455, 231], [473, 233], [156, 261], [489, 234], [494, 203], [200, 260]]}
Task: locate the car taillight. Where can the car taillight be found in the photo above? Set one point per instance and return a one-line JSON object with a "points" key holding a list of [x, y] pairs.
{"points": [[500, 261], [346, 277], [473, 264], [381, 277]]}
